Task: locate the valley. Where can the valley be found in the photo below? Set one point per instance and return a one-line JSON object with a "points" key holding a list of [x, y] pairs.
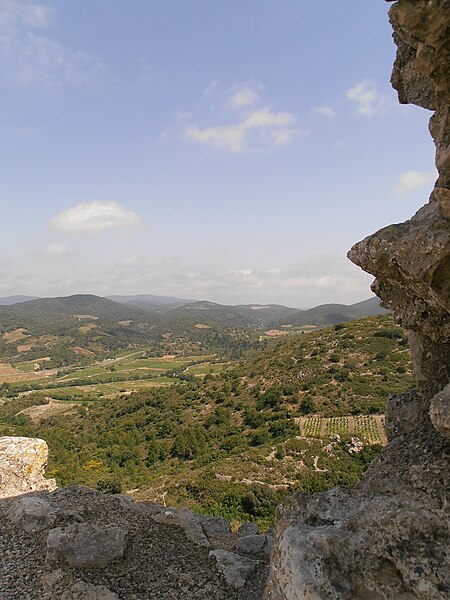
{"points": [[198, 405]]}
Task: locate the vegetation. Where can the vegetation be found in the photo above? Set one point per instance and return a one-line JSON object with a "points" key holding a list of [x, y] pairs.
{"points": [[230, 443]]}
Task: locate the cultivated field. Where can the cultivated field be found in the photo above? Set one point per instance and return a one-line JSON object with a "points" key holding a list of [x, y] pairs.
{"points": [[126, 372], [368, 428]]}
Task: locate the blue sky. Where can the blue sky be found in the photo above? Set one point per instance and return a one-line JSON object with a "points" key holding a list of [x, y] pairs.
{"points": [[232, 151]]}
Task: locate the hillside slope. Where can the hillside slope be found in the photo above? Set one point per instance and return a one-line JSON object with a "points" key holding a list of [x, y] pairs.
{"points": [[231, 444]]}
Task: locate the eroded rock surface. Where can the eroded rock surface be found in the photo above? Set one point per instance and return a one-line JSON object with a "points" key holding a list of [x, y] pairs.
{"points": [[77, 543], [388, 538], [22, 466]]}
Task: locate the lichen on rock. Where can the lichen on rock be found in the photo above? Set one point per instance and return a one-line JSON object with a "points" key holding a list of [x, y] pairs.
{"points": [[388, 538], [22, 466]]}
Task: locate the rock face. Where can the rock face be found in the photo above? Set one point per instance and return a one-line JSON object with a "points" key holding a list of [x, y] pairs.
{"points": [[22, 466], [388, 538], [79, 544]]}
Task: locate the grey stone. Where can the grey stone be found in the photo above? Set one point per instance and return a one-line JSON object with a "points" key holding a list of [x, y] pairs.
{"points": [[184, 518], [440, 411], [235, 569], [250, 544], [86, 591], [32, 513], [247, 528], [213, 526], [86, 544]]}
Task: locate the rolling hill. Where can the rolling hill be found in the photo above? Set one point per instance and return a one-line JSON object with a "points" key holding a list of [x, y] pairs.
{"points": [[234, 443]]}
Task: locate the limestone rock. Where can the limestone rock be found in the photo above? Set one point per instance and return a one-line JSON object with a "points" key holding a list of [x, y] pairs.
{"points": [[344, 545], [440, 411], [250, 544], [402, 414], [86, 544], [184, 518], [215, 526], [22, 465], [247, 528], [388, 538], [236, 569], [86, 591], [32, 513]]}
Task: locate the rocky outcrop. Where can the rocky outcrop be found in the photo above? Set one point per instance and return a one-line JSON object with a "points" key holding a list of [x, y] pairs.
{"points": [[22, 466], [388, 538], [76, 543]]}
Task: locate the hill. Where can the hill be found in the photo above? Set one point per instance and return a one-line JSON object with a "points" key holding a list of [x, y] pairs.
{"points": [[233, 444], [150, 301], [70, 329], [8, 300], [327, 314]]}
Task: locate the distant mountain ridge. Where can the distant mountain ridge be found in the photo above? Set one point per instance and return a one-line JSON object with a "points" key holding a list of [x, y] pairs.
{"points": [[9, 300]]}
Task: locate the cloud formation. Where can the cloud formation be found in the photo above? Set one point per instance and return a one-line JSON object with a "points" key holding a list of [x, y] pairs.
{"points": [[242, 95], [326, 111], [55, 250], [369, 102], [409, 181], [94, 217], [258, 127], [30, 56]]}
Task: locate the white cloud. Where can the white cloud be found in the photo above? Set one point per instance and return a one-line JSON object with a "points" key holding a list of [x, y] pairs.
{"points": [[29, 56], [326, 111], [212, 85], [55, 250], [255, 127], [258, 128], [409, 181], [245, 95], [23, 11], [94, 217], [369, 102]]}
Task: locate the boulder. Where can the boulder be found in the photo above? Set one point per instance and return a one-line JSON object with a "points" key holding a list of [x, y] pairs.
{"points": [[32, 513], [22, 466], [235, 569], [86, 545]]}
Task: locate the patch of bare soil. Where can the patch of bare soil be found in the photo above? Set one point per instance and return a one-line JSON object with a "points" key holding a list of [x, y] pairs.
{"points": [[44, 411], [201, 326], [83, 351], [16, 335], [88, 327], [80, 317], [125, 323], [276, 333], [8, 374]]}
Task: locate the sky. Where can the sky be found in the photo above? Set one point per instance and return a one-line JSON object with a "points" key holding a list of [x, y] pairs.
{"points": [[229, 151]]}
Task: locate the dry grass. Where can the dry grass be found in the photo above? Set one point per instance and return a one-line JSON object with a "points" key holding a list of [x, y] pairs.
{"points": [[15, 336]]}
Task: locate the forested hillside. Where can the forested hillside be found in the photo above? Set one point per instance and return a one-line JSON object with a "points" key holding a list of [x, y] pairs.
{"points": [[234, 443]]}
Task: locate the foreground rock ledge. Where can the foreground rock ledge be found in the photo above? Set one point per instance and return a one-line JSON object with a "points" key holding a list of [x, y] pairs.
{"points": [[22, 466], [388, 538]]}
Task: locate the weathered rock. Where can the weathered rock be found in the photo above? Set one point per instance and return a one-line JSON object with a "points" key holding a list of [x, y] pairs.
{"points": [[86, 544], [184, 518], [247, 528], [250, 544], [440, 411], [32, 513], [86, 591], [56, 585], [235, 569], [387, 539], [215, 526], [159, 562], [403, 411], [22, 465]]}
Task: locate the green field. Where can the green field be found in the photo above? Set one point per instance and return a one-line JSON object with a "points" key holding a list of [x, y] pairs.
{"points": [[126, 371]]}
